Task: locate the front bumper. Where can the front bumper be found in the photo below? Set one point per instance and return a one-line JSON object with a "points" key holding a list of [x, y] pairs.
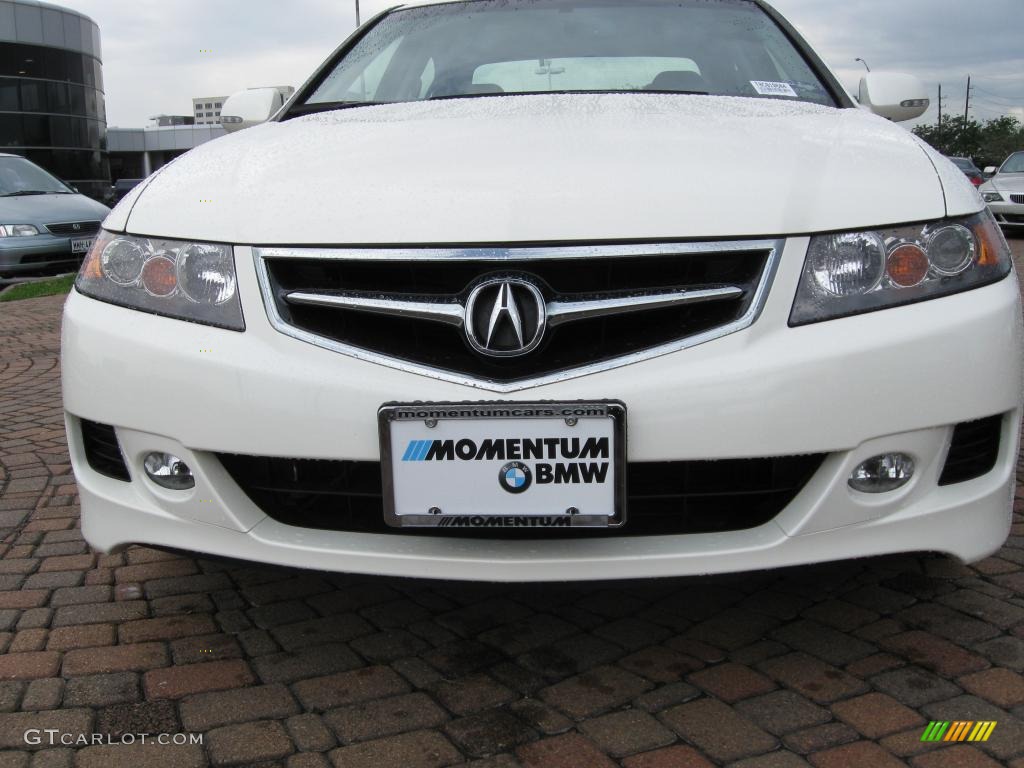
{"points": [[1009, 215], [892, 380], [38, 253]]}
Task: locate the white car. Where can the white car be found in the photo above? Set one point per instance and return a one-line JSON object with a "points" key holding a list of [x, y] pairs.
{"points": [[519, 291], [1004, 192]]}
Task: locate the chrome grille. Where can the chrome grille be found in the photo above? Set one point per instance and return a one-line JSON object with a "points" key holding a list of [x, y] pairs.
{"points": [[73, 228], [1018, 199], [604, 305]]}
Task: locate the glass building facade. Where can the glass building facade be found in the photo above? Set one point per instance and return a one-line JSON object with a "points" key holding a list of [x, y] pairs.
{"points": [[51, 93]]}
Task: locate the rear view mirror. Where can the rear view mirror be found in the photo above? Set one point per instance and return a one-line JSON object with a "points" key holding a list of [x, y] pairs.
{"points": [[894, 97], [250, 107]]}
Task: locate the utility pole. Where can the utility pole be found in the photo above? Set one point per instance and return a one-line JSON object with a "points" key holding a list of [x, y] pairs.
{"points": [[940, 108], [358, 22], [967, 105]]}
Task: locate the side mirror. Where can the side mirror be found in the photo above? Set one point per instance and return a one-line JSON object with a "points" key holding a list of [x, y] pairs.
{"points": [[894, 97], [991, 171], [250, 107]]}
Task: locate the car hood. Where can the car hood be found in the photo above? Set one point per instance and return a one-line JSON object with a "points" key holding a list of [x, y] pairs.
{"points": [[1006, 182], [544, 168], [50, 209]]}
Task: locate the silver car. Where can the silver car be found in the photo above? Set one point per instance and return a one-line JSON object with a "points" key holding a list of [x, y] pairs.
{"points": [[1004, 193], [45, 225]]}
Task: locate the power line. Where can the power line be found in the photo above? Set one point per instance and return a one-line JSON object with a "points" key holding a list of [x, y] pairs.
{"points": [[985, 95], [999, 95], [987, 102], [978, 104], [1000, 102]]}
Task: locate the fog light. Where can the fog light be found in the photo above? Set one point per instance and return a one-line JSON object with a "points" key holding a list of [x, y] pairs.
{"points": [[169, 471], [881, 474]]}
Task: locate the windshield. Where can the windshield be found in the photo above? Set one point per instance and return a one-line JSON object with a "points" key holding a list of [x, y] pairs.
{"points": [[18, 176], [963, 163], [490, 47], [1014, 164]]}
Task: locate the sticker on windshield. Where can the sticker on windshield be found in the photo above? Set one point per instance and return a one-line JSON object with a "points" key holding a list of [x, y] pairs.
{"points": [[771, 88]]}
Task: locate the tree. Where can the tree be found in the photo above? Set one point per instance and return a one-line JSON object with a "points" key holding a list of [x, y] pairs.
{"points": [[988, 143], [1003, 137]]}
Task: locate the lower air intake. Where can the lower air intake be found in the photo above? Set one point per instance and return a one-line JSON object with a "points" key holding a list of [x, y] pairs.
{"points": [[974, 450], [665, 498], [102, 450]]}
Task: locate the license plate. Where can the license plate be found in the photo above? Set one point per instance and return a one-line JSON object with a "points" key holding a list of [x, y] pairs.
{"points": [[504, 465], [81, 245]]}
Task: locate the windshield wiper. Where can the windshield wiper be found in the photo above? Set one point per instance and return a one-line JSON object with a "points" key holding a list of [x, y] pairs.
{"points": [[23, 192], [329, 106], [568, 91], [676, 93]]}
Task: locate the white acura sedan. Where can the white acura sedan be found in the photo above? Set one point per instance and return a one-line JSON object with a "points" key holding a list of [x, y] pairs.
{"points": [[526, 290]]}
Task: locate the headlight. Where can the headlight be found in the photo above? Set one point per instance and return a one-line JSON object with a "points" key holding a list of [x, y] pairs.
{"points": [[855, 272], [17, 230], [181, 279], [992, 197]]}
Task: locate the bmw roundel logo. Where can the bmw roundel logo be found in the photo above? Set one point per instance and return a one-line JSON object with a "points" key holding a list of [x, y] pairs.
{"points": [[515, 477]]}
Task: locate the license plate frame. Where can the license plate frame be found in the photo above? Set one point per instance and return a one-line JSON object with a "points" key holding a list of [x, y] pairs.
{"points": [[81, 245], [612, 414]]}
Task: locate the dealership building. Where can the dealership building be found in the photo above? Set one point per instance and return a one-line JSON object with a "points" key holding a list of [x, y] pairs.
{"points": [[137, 152], [207, 109], [51, 92], [52, 107]]}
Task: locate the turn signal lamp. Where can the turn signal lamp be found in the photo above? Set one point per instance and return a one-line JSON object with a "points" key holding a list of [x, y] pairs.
{"points": [[907, 265]]}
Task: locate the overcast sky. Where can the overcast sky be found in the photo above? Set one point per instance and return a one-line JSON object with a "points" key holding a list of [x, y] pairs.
{"points": [[155, 55]]}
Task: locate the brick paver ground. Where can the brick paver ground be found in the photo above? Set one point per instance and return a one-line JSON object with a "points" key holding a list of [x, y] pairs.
{"points": [[837, 665]]}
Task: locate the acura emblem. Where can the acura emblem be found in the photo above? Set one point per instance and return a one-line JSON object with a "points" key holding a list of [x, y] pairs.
{"points": [[505, 317]]}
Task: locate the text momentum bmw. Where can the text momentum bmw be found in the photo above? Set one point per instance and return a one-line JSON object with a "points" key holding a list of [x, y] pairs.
{"points": [[552, 289]]}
